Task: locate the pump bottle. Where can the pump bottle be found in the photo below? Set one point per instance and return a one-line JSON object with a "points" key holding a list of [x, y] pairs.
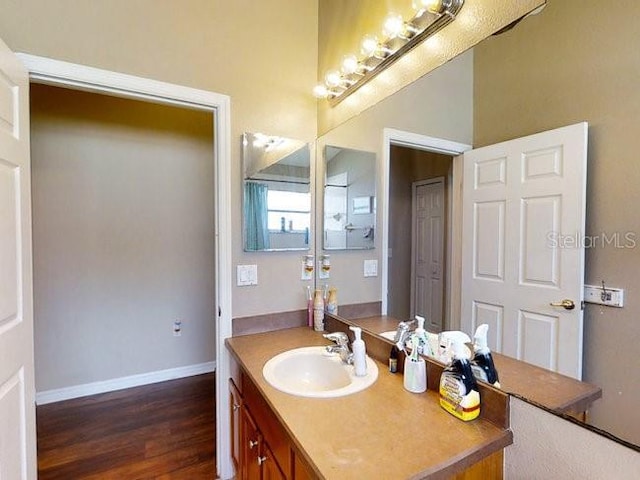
{"points": [[359, 353]]}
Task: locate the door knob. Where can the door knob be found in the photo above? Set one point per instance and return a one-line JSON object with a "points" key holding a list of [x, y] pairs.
{"points": [[566, 304]]}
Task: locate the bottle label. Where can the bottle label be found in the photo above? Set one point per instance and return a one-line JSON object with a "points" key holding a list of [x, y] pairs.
{"points": [[393, 365], [455, 399]]}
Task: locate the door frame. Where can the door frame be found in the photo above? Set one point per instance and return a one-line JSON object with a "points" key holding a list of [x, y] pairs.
{"points": [[80, 77], [414, 241], [391, 136]]}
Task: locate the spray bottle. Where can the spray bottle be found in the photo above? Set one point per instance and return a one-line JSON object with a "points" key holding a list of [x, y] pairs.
{"points": [[445, 345], [482, 365], [459, 393]]}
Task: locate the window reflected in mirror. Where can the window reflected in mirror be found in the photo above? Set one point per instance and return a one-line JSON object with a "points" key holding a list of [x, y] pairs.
{"points": [[349, 199], [277, 197]]}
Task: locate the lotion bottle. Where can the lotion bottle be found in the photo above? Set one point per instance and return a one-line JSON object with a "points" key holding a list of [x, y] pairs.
{"points": [[359, 353], [482, 365], [421, 336]]}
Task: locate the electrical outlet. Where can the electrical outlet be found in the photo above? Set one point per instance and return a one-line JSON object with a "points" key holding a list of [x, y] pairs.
{"points": [[177, 328], [609, 296]]}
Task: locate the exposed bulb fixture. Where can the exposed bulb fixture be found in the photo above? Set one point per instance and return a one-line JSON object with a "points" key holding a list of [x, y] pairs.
{"points": [[400, 37], [432, 6], [350, 65], [267, 142], [333, 78], [395, 27], [371, 47], [320, 91]]}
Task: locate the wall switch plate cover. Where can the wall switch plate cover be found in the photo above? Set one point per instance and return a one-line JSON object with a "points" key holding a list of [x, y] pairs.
{"points": [[247, 275], [371, 268]]}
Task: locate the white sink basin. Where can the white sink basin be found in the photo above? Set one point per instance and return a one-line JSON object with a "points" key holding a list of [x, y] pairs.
{"points": [[313, 372]]}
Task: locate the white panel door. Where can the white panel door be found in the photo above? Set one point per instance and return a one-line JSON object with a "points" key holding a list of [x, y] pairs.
{"points": [[17, 391], [427, 282], [523, 201]]}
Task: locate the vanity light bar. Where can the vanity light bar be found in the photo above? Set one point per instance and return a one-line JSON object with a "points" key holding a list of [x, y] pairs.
{"points": [[400, 38]]}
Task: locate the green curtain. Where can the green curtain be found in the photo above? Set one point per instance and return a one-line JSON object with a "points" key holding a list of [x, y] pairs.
{"points": [[256, 232]]}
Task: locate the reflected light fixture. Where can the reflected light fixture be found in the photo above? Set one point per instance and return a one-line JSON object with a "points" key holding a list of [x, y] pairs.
{"points": [[399, 37]]}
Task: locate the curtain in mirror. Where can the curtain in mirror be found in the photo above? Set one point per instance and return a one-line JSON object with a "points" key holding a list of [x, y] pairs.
{"points": [[256, 216]]}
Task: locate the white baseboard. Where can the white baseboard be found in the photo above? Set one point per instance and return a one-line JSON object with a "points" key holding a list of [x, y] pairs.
{"points": [[77, 391]]}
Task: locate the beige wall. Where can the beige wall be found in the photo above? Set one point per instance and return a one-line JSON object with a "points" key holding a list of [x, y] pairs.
{"points": [[548, 447], [577, 61], [262, 54], [408, 166], [122, 226]]}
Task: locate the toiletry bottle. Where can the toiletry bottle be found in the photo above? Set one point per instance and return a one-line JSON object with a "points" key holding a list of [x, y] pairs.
{"points": [[332, 301], [482, 364], [309, 292], [393, 359], [421, 334], [459, 393], [359, 353], [318, 311]]}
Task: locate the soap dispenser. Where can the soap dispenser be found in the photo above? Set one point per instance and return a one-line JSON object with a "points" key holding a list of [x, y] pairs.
{"points": [[423, 345], [359, 353], [482, 365]]}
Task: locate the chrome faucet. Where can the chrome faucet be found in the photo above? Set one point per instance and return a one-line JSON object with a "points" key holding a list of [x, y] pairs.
{"points": [[341, 346], [402, 333]]}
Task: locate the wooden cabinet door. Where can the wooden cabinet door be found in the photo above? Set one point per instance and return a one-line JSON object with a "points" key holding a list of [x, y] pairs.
{"points": [[235, 412], [250, 468], [270, 469]]}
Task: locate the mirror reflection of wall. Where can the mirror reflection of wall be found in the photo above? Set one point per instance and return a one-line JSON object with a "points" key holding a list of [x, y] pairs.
{"points": [[277, 198], [349, 199]]}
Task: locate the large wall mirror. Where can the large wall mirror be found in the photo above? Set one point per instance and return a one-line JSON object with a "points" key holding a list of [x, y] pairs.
{"points": [[349, 199], [277, 197]]}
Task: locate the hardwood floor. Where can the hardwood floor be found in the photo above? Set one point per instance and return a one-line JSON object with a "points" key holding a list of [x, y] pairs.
{"points": [[161, 431]]}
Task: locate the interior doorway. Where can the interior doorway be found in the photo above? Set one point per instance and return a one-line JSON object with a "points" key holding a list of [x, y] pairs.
{"points": [[392, 140], [410, 235], [54, 72], [121, 189]]}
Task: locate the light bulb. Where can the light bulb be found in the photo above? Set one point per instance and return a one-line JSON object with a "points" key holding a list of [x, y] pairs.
{"points": [[393, 25], [350, 64], [433, 6], [369, 45], [333, 78], [320, 91]]}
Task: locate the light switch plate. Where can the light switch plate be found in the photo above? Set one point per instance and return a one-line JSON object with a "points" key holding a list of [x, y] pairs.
{"points": [[371, 268], [247, 275], [609, 296]]}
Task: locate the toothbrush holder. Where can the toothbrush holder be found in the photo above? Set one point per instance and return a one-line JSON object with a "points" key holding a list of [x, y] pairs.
{"points": [[415, 375]]}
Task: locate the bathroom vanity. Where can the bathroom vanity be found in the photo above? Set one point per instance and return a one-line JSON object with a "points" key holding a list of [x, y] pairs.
{"points": [[381, 432]]}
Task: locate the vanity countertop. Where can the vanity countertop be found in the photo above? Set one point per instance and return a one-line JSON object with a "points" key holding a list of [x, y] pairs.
{"points": [[381, 432], [552, 390]]}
